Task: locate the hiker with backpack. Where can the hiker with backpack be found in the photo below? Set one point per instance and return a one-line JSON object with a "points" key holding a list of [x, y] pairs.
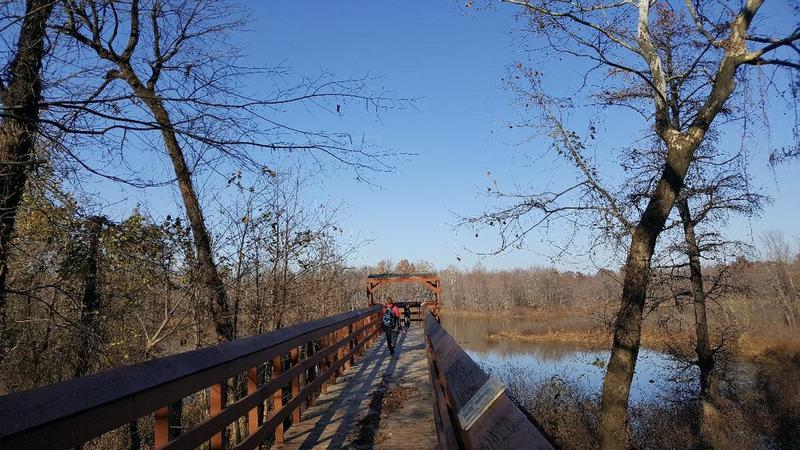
{"points": [[390, 322]]}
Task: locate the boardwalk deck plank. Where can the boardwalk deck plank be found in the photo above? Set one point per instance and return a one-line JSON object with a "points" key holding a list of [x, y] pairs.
{"points": [[383, 402]]}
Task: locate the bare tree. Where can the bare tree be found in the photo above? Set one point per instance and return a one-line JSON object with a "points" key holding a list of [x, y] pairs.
{"points": [[282, 253], [175, 59], [680, 93], [779, 256], [87, 24], [20, 91], [716, 188]]}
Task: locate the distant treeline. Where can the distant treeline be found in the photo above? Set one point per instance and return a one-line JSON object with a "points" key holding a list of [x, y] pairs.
{"points": [[537, 287], [749, 289]]}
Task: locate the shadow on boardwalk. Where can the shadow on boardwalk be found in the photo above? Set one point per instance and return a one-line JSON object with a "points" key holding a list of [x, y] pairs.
{"points": [[382, 402]]}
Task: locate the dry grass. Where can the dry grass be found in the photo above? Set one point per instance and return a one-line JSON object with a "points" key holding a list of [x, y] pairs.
{"points": [[586, 340], [754, 345], [527, 313], [775, 398], [759, 364], [583, 330], [762, 413]]}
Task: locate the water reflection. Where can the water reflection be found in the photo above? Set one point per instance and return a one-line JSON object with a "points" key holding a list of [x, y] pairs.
{"points": [[472, 332], [655, 372]]}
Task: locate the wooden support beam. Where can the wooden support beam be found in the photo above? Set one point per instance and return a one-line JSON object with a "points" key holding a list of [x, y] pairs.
{"points": [[340, 352], [351, 345], [277, 397], [329, 360], [218, 393], [311, 375], [295, 356], [162, 427], [323, 343], [254, 417]]}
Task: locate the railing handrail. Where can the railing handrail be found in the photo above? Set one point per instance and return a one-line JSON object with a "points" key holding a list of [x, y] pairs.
{"points": [[77, 410], [455, 378]]}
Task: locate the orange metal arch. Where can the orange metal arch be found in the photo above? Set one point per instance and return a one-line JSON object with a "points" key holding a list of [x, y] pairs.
{"points": [[431, 281]]}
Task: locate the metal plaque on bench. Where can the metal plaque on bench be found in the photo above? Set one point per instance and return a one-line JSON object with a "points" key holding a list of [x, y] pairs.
{"points": [[491, 390]]}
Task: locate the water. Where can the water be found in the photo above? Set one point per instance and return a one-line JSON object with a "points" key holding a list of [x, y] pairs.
{"points": [[657, 376]]}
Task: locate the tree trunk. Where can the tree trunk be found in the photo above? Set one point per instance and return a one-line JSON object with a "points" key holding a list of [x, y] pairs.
{"points": [[90, 307], [680, 151], [209, 275], [21, 100], [259, 320], [628, 325], [705, 357]]}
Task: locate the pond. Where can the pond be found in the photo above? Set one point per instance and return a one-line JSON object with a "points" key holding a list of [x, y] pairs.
{"points": [[657, 376]]}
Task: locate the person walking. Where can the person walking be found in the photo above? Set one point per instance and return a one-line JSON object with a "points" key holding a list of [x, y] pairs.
{"points": [[391, 324], [407, 315]]}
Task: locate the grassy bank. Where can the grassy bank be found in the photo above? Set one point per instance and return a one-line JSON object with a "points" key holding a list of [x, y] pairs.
{"points": [[759, 405], [582, 329], [592, 331], [761, 413]]}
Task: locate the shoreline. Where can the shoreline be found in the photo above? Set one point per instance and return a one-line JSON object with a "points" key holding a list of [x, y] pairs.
{"points": [[748, 345]]}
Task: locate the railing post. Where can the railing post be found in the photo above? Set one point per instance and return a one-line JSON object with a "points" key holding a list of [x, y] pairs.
{"points": [[358, 338], [162, 427], [370, 330], [350, 338], [363, 337], [277, 397], [364, 334], [340, 352], [323, 344], [217, 404], [376, 328], [332, 356], [255, 416], [295, 355], [167, 423], [311, 375]]}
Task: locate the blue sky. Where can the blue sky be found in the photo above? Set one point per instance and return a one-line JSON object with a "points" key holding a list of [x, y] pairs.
{"points": [[452, 61]]}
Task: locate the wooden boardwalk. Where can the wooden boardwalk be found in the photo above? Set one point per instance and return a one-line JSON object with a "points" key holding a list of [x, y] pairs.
{"points": [[382, 402]]}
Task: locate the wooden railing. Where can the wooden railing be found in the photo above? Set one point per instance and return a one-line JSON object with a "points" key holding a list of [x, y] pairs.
{"points": [[417, 309], [455, 378], [70, 413]]}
